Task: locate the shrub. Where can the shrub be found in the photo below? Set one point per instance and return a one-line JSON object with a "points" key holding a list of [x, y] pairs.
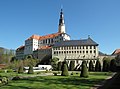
{"points": [[98, 66], [55, 74], [5, 80], [113, 65], [72, 65], [16, 78], [65, 70], [9, 70], [30, 71], [2, 71], [91, 66], [20, 69], [105, 66], [84, 70], [72, 73], [59, 66], [64, 62]]}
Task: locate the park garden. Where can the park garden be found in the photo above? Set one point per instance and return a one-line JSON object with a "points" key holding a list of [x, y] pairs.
{"points": [[63, 76]]}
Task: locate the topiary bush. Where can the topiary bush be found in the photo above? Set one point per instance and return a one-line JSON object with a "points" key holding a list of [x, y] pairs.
{"points": [[55, 74], [84, 70], [91, 66], [65, 71], [59, 66], [16, 78], [98, 66], [5, 80], [106, 66], [113, 65], [30, 71], [20, 69], [72, 65]]}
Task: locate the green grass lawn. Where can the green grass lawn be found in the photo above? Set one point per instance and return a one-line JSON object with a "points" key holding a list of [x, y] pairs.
{"points": [[58, 82]]}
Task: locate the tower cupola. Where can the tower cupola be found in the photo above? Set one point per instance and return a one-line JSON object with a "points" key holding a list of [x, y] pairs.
{"points": [[61, 28]]}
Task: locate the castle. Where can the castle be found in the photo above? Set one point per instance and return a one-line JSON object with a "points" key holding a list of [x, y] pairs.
{"points": [[59, 45]]}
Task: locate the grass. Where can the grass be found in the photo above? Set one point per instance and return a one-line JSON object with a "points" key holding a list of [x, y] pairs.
{"points": [[58, 82]]}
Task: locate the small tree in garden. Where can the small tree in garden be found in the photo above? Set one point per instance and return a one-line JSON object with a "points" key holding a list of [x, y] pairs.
{"points": [[59, 66], [113, 65], [72, 65], [54, 63], [105, 66], [30, 71], [64, 62], [20, 69], [84, 70], [98, 66], [65, 71], [91, 66]]}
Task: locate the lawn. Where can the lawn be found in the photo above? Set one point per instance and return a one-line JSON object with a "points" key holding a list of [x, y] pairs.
{"points": [[58, 82]]}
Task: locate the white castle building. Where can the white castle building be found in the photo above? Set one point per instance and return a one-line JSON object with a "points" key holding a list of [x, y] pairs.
{"points": [[59, 45]]}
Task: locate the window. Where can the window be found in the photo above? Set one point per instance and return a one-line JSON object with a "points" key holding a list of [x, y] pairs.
{"points": [[64, 51], [86, 51], [90, 47], [61, 48], [90, 51], [86, 47]]}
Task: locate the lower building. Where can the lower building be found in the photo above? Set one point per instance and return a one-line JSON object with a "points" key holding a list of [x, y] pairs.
{"points": [[43, 52], [20, 52], [77, 50]]}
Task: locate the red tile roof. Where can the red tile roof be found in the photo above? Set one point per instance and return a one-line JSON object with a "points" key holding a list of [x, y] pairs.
{"points": [[117, 51], [44, 37], [45, 47], [21, 48]]}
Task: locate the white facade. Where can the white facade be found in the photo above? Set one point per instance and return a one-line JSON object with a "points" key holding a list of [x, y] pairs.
{"points": [[76, 50], [36, 42], [30, 46]]}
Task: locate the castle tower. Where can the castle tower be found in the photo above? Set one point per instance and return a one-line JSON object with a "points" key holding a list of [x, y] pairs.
{"points": [[61, 28]]}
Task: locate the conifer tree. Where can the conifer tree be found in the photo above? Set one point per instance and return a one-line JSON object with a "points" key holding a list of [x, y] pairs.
{"points": [[59, 66], [30, 71], [91, 66], [65, 71], [64, 62], [105, 66], [98, 66], [20, 69], [113, 65], [72, 65], [84, 70]]}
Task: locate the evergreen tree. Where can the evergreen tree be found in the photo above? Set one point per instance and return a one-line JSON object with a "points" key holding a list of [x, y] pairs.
{"points": [[54, 63], [59, 66], [64, 62], [98, 66], [72, 65], [91, 66], [105, 66], [30, 71], [20, 69], [84, 70], [113, 65], [65, 71]]}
